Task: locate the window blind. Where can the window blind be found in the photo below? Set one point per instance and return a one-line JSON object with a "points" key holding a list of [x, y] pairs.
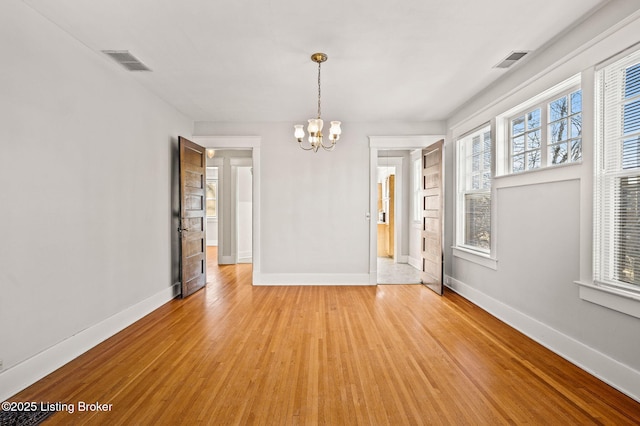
{"points": [[617, 198]]}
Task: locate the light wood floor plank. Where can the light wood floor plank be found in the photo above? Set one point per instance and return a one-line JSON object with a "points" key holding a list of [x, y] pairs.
{"points": [[386, 355]]}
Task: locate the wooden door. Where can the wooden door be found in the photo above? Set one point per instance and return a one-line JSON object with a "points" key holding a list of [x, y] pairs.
{"points": [[432, 217], [193, 223]]}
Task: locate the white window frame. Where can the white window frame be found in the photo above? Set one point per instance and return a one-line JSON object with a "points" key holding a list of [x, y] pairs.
{"points": [[543, 128], [503, 150], [461, 249], [604, 290]]}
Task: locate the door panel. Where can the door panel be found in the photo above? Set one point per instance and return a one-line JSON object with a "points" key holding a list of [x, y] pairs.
{"points": [[192, 216], [432, 217], [193, 247]]}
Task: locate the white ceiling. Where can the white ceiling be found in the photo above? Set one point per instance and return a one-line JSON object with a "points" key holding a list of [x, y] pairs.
{"points": [[249, 60]]}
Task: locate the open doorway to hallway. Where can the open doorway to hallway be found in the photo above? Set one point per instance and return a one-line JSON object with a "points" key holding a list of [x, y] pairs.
{"points": [[229, 198], [409, 242], [395, 223], [250, 144]]}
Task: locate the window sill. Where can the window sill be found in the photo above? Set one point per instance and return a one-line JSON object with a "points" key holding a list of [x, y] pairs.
{"points": [[475, 257], [627, 302]]}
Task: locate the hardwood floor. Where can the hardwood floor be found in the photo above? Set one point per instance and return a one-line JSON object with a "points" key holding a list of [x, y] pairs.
{"points": [[237, 354]]}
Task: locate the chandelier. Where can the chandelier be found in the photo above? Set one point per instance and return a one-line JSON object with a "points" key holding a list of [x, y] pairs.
{"points": [[315, 124]]}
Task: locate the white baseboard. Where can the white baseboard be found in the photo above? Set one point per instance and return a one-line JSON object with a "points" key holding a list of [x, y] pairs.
{"points": [[607, 369], [245, 256], [402, 258], [227, 260], [24, 374], [212, 242], [312, 279], [416, 263]]}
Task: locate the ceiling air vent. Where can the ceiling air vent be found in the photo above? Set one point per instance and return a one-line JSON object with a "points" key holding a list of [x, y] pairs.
{"points": [[126, 59], [511, 59]]}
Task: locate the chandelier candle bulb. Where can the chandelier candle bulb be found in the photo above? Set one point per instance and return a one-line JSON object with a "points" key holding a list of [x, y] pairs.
{"points": [[314, 127], [334, 131]]}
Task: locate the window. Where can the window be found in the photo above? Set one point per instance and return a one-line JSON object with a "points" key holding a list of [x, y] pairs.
{"points": [[526, 141], [546, 131], [617, 198], [212, 198], [474, 191], [565, 129], [211, 194]]}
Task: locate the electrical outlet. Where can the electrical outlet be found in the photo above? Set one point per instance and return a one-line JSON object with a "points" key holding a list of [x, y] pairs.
{"points": [[447, 280]]}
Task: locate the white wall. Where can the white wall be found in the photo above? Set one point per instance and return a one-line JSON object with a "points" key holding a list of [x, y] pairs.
{"points": [[244, 220], [543, 226], [212, 231], [314, 228], [87, 165]]}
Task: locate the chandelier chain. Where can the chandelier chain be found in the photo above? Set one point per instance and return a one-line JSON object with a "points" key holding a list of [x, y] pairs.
{"points": [[319, 67]]}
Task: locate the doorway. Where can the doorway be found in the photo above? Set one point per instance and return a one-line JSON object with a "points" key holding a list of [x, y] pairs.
{"points": [[394, 222], [229, 199], [409, 148]]}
